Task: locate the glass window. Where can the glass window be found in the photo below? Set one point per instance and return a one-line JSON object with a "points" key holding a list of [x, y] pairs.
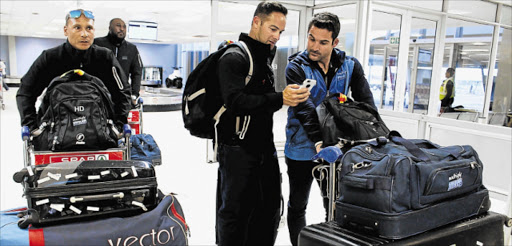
{"points": [[468, 48], [383, 59], [433, 5], [347, 15], [286, 46], [501, 96], [476, 9], [506, 15], [189, 55], [419, 76]]}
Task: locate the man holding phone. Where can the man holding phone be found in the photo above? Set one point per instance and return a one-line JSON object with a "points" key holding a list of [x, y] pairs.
{"points": [[333, 72]]}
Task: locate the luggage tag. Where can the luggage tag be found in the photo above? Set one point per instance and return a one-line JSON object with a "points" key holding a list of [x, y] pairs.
{"points": [[93, 177], [30, 171], [71, 175], [134, 171], [54, 176], [94, 209], [74, 209], [45, 179], [58, 207], [41, 202]]}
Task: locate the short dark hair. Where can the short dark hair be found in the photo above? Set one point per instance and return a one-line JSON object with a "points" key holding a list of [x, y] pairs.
{"points": [[451, 71], [326, 20], [110, 23], [264, 9]]}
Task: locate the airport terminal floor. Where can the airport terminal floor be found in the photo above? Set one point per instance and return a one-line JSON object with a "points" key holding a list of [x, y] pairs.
{"points": [[184, 170]]}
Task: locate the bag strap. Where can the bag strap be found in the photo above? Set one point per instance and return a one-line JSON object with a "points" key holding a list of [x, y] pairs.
{"points": [[394, 135], [251, 65], [410, 146]]}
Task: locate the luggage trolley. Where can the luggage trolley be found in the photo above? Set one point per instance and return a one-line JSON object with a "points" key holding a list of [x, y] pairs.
{"points": [[134, 196], [135, 117], [332, 155], [33, 157]]}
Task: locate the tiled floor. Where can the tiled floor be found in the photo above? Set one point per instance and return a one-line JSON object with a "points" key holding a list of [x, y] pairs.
{"points": [[184, 170]]}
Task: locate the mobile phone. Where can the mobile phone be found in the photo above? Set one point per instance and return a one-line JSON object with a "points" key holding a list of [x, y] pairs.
{"points": [[308, 83]]}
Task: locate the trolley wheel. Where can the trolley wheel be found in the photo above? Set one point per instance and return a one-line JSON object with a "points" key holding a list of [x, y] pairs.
{"points": [[508, 222], [24, 222]]}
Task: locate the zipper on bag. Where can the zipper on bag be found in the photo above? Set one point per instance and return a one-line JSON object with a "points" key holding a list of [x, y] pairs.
{"points": [[472, 165]]}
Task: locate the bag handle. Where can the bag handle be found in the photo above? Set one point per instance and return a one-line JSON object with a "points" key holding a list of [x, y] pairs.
{"points": [[77, 73], [395, 137]]}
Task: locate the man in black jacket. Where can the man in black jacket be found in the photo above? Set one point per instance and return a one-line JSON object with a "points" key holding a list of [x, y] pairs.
{"points": [[249, 174], [77, 52], [127, 53]]}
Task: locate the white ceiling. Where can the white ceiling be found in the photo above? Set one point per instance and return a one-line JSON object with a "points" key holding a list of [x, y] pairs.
{"points": [[178, 21]]}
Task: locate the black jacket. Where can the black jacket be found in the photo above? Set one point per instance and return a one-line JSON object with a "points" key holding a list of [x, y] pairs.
{"points": [[254, 103], [97, 61], [128, 56]]}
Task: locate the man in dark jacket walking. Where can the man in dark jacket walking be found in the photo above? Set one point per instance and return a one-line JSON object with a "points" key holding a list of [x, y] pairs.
{"points": [[77, 52], [127, 53], [249, 177], [334, 72]]}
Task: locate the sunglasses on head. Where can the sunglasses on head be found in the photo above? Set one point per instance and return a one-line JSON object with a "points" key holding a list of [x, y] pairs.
{"points": [[78, 12]]}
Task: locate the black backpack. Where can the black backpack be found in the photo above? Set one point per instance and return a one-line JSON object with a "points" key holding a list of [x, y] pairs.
{"points": [[202, 103], [349, 123], [76, 114]]}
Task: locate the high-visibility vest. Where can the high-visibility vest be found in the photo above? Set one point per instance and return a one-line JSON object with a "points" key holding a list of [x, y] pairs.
{"points": [[443, 91]]}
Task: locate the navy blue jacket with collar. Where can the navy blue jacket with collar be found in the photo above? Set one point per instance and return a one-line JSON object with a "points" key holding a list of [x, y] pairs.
{"points": [[303, 127]]}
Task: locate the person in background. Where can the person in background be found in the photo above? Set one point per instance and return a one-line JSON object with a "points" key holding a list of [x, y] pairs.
{"points": [[447, 91], [3, 73], [78, 52], [249, 176], [127, 53], [334, 73]]}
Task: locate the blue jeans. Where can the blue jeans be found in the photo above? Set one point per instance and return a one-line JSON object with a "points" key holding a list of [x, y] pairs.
{"points": [[250, 197], [300, 178]]}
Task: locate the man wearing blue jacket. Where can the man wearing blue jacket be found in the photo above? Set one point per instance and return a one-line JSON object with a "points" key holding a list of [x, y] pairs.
{"points": [[334, 72]]}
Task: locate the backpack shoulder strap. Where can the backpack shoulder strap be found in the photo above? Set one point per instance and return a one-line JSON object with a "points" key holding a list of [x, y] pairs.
{"points": [[251, 66]]}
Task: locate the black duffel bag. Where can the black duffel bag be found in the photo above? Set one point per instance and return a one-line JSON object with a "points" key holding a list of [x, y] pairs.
{"points": [[349, 122], [402, 187]]}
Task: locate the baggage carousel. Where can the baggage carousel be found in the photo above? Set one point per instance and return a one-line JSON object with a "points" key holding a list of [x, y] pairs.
{"points": [[157, 99]]}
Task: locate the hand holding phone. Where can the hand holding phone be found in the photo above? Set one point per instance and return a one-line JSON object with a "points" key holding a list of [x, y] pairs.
{"points": [[308, 84]]}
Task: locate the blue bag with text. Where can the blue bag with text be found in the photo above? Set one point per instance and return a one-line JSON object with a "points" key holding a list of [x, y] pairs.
{"points": [[164, 225]]}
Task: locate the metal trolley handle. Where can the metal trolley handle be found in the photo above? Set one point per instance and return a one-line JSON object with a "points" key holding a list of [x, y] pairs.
{"points": [[332, 155], [110, 196]]}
